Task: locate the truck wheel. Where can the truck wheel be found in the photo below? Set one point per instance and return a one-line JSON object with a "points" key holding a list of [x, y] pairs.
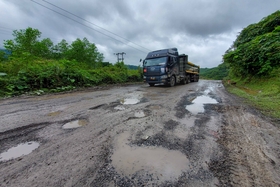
{"points": [[184, 81], [152, 84], [187, 79], [172, 81]]}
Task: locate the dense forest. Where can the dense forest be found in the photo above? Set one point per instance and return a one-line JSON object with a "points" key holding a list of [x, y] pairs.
{"points": [[38, 66]]}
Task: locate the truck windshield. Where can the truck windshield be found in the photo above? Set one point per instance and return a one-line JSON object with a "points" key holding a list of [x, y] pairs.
{"points": [[155, 61]]}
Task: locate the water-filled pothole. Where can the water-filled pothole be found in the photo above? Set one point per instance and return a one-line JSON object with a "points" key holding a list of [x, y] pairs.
{"points": [[161, 163], [52, 114], [119, 107], [130, 101], [74, 124], [139, 114], [19, 150], [132, 98], [197, 105]]}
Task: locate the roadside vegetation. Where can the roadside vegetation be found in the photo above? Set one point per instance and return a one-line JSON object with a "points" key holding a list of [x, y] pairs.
{"points": [[34, 66], [216, 73], [254, 65]]}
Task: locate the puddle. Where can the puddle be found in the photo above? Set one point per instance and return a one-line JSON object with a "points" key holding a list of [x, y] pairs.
{"points": [[119, 107], [130, 101], [54, 113], [161, 163], [19, 150], [74, 124], [139, 114], [131, 98], [154, 107], [197, 105]]}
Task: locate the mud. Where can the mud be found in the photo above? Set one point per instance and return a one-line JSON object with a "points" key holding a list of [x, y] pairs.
{"points": [[135, 135]]}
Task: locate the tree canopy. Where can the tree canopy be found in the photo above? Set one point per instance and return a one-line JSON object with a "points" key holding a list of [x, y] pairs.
{"points": [[27, 42], [256, 51]]}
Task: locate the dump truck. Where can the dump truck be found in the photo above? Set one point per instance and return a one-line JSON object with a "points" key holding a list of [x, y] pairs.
{"points": [[167, 67]]}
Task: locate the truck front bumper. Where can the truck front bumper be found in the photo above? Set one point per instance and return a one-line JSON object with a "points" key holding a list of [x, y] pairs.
{"points": [[155, 79]]}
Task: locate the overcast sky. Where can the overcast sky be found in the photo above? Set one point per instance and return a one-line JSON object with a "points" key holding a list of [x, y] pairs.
{"points": [[202, 29]]}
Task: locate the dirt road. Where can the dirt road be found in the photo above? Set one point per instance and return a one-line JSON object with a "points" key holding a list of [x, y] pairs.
{"points": [[188, 135]]}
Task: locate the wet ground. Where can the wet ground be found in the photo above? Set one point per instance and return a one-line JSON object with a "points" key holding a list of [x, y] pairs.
{"points": [[135, 135]]}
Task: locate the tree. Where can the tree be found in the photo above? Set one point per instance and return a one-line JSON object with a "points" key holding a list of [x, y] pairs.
{"points": [[44, 48], [60, 50], [26, 41], [86, 52]]}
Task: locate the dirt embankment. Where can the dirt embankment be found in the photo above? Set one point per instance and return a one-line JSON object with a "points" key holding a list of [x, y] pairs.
{"points": [[187, 135]]}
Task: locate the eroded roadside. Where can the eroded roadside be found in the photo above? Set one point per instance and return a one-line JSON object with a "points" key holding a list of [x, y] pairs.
{"points": [[188, 135]]}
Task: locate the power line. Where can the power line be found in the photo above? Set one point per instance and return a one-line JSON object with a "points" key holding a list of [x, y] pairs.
{"points": [[85, 25], [94, 24]]}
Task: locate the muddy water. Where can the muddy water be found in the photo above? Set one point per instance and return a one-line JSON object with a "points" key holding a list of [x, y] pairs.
{"points": [[19, 150], [139, 114], [162, 163], [132, 98], [130, 101], [197, 105], [119, 108], [74, 124]]}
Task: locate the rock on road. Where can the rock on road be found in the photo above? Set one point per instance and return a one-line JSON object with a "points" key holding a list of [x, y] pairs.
{"points": [[135, 135]]}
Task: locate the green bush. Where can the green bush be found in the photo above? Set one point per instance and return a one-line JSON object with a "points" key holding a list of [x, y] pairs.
{"points": [[256, 51]]}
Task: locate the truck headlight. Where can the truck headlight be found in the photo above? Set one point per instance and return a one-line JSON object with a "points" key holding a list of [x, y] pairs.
{"points": [[163, 76], [144, 77]]}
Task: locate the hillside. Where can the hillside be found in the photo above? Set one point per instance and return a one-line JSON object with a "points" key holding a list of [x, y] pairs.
{"points": [[216, 73], [254, 65]]}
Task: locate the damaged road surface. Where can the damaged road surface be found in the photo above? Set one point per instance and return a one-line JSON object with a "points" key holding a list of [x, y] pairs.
{"points": [[188, 135]]}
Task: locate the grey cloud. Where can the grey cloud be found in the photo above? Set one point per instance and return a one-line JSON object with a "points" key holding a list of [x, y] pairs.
{"points": [[195, 27]]}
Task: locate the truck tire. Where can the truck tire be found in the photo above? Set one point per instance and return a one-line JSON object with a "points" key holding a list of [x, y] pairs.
{"points": [[152, 84], [184, 81], [188, 79], [172, 81]]}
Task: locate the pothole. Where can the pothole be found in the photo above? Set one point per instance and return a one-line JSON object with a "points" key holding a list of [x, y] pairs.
{"points": [[119, 107], [75, 124], [131, 98], [197, 105], [154, 107], [139, 114], [161, 163], [19, 150], [56, 113], [130, 101]]}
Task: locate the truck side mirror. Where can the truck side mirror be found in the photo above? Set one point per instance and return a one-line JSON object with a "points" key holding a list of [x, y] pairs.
{"points": [[140, 60]]}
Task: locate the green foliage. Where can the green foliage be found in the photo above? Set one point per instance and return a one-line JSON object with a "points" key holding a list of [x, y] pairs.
{"points": [[37, 67], [26, 41], [84, 51], [2, 56], [59, 75], [256, 51], [217, 73]]}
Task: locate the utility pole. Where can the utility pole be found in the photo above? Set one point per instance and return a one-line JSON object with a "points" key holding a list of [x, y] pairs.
{"points": [[122, 53]]}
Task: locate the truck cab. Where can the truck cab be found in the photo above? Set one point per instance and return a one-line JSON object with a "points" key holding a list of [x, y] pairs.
{"points": [[161, 66]]}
